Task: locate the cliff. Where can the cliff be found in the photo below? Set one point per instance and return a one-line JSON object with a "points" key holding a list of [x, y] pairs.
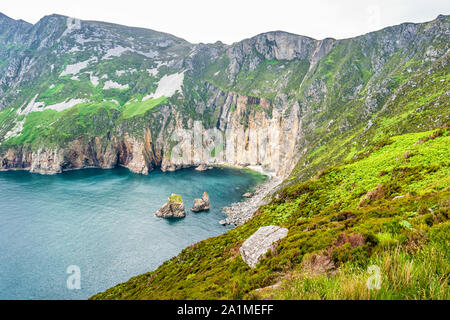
{"points": [[78, 94], [321, 238]]}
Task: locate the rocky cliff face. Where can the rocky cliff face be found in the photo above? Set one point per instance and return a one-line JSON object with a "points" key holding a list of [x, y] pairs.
{"points": [[77, 94], [243, 137]]}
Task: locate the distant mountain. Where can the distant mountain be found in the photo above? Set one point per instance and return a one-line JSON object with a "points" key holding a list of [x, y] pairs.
{"points": [[78, 94]]}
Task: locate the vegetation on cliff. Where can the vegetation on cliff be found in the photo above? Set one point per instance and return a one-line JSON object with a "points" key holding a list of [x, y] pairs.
{"points": [[389, 207]]}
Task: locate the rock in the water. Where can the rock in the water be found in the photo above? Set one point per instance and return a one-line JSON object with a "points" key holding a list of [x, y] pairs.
{"points": [[260, 242], [203, 167], [201, 204], [174, 208], [248, 195]]}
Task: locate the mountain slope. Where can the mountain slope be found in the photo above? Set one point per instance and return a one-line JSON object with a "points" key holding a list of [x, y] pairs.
{"points": [[89, 94], [335, 232]]}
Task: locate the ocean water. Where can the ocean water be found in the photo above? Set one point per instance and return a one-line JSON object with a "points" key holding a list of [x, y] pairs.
{"points": [[102, 222]]}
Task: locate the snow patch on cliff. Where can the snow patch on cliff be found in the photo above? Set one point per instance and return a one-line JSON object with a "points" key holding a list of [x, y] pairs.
{"points": [[34, 106], [112, 100], [115, 52]]}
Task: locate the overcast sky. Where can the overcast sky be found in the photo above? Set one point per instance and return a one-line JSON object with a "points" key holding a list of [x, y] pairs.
{"points": [[234, 20]]}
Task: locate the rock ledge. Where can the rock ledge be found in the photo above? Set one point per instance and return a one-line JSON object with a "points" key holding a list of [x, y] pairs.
{"points": [[260, 242]]}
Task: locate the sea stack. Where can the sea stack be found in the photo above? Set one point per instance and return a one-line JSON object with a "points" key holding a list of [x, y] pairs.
{"points": [[201, 204], [174, 208]]}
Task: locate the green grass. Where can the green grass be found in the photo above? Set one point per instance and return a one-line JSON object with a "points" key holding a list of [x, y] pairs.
{"points": [[90, 119], [176, 198], [140, 108], [52, 128], [5, 113], [420, 276], [37, 125], [399, 235]]}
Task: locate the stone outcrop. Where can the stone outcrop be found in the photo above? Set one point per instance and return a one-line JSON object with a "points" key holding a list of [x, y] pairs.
{"points": [[201, 204], [264, 141], [174, 208], [203, 167], [270, 124], [260, 243]]}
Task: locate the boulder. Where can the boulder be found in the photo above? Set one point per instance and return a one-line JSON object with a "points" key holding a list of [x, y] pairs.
{"points": [[248, 195], [260, 242], [203, 167], [174, 208], [201, 204]]}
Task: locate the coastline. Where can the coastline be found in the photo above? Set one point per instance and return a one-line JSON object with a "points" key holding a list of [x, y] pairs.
{"points": [[240, 212], [255, 169], [237, 213]]}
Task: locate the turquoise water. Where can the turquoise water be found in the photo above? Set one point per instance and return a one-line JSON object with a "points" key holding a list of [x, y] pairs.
{"points": [[103, 222]]}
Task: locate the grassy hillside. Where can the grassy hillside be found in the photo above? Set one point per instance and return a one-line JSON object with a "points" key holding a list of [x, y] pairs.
{"points": [[388, 207]]}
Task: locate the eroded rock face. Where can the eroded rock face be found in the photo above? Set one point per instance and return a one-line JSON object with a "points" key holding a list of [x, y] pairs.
{"points": [[174, 208], [201, 204], [260, 242], [263, 127]]}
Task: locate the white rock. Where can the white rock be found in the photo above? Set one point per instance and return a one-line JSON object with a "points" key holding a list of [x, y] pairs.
{"points": [[167, 86], [65, 105], [260, 242], [115, 52], [94, 80], [76, 68], [114, 85], [16, 131], [31, 106]]}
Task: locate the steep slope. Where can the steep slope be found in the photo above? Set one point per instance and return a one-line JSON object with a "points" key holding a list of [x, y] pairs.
{"points": [[345, 89], [388, 208], [79, 94]]}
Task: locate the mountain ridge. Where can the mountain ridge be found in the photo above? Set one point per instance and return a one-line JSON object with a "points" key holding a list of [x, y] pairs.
{"points": [[57, 66], [2, 15]]}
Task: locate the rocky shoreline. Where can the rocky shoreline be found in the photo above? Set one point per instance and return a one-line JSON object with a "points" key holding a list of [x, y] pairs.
{"points": [[240, 212]]}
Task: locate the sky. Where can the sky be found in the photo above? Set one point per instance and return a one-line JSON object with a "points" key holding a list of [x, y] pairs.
{"points": [[234, 20]]}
